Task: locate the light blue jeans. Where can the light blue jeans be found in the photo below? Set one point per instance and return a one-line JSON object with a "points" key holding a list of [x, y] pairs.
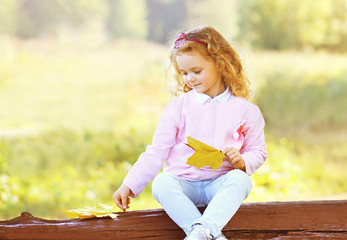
{"points": [[222, 196]]}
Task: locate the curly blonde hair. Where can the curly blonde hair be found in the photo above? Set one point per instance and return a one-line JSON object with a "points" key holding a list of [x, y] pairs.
{"points": [[218, 50]]}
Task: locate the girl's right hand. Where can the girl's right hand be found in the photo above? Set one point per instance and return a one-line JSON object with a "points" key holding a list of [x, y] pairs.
{"points": [[121, 197]]}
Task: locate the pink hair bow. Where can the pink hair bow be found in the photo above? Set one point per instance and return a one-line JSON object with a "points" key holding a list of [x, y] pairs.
{"points": [[180, 40]]}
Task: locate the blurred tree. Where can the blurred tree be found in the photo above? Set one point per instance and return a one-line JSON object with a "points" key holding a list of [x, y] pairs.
{"points": [[37, 17], [268, 24], [127, 18], [164, 17], [281, 24], [221, 14], [8, 13], [336, 38], [313, 22]]}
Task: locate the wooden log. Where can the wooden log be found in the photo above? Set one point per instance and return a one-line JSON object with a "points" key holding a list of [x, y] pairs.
{"points": [[274, 220]]}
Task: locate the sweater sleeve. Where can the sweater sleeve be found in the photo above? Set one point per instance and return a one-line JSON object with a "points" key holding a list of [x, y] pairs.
{"points": [[151, 161], [253, 151]]}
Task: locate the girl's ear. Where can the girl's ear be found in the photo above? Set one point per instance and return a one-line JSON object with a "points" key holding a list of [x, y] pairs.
{"points": [[220, 66]]}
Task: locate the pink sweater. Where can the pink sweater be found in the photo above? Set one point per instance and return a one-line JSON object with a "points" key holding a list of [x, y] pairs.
{"points": [[213, 124]]}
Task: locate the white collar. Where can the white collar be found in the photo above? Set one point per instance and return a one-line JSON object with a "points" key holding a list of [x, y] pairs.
{"points": [[221, 98]]}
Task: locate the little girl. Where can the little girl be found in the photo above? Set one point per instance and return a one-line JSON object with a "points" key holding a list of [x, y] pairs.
{"points": [[212, 109]]}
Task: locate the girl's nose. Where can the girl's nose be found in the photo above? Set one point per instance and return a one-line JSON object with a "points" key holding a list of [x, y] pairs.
{"points": [[191, 79]]}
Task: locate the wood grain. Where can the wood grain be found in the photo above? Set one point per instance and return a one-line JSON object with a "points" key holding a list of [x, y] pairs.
{"points": [[274, 220]]}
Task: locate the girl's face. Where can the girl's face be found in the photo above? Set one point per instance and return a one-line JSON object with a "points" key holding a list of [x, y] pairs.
{"points": [[200, 74]]}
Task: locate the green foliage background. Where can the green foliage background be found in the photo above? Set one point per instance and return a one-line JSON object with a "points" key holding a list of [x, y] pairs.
{"points": [[80, 98], [266, 24]]}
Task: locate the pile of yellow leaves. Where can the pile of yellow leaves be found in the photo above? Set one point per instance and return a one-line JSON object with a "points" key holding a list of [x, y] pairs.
{"points": [[100, 210], [204, 155]]}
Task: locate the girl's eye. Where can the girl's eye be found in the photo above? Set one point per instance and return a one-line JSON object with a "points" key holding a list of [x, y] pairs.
{"points": [[197, 72], [184, 74]]}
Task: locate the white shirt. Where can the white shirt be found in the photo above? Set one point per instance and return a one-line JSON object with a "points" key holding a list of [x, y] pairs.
{"points": [[221, 98]]}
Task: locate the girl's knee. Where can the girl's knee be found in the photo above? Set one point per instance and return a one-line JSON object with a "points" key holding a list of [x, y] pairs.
{"points": [[241, 178], [162, 183], [239, 174]]}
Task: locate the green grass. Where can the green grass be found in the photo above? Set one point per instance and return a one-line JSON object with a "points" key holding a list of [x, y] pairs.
{"points": [[62, 85], [73, 118]]}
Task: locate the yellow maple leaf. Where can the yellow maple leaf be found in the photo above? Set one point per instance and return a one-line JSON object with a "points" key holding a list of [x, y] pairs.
{"points": [[204, 155], [100, 210]]}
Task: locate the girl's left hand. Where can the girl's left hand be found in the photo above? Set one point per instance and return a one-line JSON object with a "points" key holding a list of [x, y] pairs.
{"points": [[234, 157]]}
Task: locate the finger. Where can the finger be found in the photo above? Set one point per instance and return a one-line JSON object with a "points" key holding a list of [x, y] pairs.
{"points": [[234, 155], [228, 150], [238, 163], [125, 201], [236, 160], [228, 153], [231, 155], [117, 199]]}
